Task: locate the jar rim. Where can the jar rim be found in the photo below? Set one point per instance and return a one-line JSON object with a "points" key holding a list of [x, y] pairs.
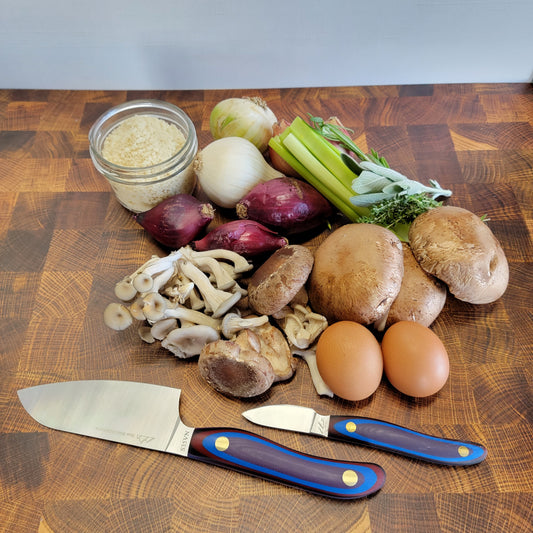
{"points": [[145, 107]]}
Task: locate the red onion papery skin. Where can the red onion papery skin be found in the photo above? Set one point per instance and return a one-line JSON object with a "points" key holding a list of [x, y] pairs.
{"points": [[287, 205], [246, 237], [177, 220]]}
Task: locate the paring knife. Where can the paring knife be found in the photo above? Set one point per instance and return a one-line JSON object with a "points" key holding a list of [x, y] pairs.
{"points": [[368, 431], [147, 416]]}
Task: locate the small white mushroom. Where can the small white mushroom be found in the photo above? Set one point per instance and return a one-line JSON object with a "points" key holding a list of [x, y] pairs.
{"points": [[136, 309], [188, 342], [162, 327], [309, 356], [143, 282], [143, 277], [124, 290], [216, 300], [301, 325], [232, 323], [146, 334], [154, 306], [117, 316]]}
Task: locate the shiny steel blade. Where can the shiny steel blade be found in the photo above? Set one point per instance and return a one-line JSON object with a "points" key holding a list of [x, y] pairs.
{"points": [[138, 414], [289, 417]]}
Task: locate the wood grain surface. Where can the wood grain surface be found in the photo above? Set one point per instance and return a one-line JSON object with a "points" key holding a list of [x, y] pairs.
{"points": [[65, 241]]}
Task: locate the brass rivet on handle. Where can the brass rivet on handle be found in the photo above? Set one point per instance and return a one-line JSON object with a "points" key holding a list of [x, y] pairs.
{"points": [[222, 444], [463, 451], [351, 427], [349, 478]]}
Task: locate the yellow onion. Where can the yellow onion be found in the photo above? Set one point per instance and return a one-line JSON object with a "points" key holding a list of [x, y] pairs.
{"points": [[229, 168], [248, 117]]}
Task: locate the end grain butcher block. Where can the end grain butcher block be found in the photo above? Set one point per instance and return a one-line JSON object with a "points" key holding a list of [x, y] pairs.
{"points": [[65, 241]]}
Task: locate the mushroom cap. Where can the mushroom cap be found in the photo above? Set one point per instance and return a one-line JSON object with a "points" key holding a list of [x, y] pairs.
{"points": [[189, 341], [117, 316], [275, 348], [236, 367], [357, 274], [421, 297], [279, 278], [457, 247]]}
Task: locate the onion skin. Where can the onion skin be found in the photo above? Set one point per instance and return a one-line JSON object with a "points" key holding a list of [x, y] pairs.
{"points": [[247, 117], [276, 160], [246, 237], [286, 204], [177, 220]]}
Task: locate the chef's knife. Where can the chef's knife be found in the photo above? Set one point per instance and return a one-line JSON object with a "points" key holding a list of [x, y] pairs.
{"points": [[368, 431], [145, 415]]}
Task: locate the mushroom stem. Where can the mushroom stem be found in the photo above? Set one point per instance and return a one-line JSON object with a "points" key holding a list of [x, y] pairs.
{"points": [[232, 323], [240, 263], [216, 300], [222, 278], [309, 356], [190, 315], [163, 278]]}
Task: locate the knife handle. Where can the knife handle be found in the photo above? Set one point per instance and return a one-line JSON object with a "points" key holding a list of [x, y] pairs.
{"points": [[403, 441], [251, 454]]}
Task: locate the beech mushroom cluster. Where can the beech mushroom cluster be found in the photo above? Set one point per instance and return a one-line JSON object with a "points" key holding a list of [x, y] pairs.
{"points": [[183, 299], [192, 302]]}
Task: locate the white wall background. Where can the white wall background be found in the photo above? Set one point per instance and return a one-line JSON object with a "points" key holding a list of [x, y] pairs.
{"points": [[205, 44]]}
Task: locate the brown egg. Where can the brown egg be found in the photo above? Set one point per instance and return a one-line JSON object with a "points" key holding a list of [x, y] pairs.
{"points": [[349, 360], [415, 359]]}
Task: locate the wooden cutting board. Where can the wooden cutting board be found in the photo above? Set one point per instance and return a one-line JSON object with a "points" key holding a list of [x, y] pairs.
{"points": [[65, 242]]}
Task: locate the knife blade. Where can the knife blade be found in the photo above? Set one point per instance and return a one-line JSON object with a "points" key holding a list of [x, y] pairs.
{"points": [[147, 416], [370, 432]]}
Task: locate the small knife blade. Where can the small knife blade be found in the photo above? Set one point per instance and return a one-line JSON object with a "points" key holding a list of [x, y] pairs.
{"points": [[147, 416], [369, 431]]}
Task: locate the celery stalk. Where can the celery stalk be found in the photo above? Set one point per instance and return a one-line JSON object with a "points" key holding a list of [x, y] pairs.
{"points": [[323, 150], [322, 179]]}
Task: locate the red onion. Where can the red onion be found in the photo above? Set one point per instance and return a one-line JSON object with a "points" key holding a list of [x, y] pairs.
{"points": [[246, 237], [287, 205], [177, 220]]}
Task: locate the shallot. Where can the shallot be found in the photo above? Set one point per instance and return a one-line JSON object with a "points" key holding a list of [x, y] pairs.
{"points": [[177, 220], [246, 237], [285, 204]]}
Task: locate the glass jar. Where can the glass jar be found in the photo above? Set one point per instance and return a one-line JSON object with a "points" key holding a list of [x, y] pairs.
{"points": [[141, 188]]}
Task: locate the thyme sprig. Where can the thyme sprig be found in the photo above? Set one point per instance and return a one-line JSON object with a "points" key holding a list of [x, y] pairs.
{"points": [[399, 210]]}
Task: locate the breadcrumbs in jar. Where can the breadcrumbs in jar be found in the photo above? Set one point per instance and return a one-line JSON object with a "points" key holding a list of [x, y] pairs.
{"points": [[142, 141], [145, 149]]}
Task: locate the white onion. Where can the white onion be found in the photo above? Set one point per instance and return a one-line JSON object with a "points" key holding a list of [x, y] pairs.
{"points": [[229, 168], [248, 117]]}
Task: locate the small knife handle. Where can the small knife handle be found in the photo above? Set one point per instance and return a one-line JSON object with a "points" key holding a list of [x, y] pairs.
{"points": [[403, 441], [251, 454]]}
